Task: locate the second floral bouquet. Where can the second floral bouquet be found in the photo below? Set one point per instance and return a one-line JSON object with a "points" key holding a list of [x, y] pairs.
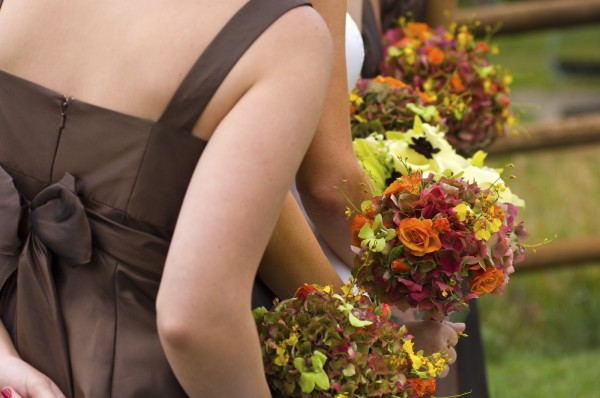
{"points": [[324, 344], [424, 235]]}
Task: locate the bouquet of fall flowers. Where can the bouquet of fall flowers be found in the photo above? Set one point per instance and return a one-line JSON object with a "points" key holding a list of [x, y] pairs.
{"points": [[384, 157], [417, 241], [323, 344], [450, 69], [387, 104]]}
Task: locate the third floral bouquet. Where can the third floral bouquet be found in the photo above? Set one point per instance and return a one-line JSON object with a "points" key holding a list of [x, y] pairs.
{"points": [[423, 236], [323, 344], [451, 70]]}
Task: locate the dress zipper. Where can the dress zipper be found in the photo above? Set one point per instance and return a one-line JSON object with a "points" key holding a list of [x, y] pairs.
{"points": [[63, 112], [63, 120]]}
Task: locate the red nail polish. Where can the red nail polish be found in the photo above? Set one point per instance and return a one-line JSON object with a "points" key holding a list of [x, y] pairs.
{"points": [[6, 392]]}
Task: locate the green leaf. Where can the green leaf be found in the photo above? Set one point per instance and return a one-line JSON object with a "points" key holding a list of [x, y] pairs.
{"points": [[258, 313], [358, 323], [315, 376], [426, 112], [396, 252], [418, 126], [349, 370], [478, 158], [366, 232]]}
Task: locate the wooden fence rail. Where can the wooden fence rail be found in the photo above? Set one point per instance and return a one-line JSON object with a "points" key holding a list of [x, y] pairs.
{"points": [[530, 15], [562, 253], [570, 131]]}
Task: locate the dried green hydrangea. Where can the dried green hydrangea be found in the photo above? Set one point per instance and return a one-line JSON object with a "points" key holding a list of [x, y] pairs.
{"points": [[322, 344]]}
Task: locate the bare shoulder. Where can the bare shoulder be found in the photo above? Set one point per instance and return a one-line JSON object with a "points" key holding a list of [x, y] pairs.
{"points": [[300, 33]]}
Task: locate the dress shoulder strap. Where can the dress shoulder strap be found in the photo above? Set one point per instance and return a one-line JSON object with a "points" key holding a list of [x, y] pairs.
{"points": [[221, 55]]}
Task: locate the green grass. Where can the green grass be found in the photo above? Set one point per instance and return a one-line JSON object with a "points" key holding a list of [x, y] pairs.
{"points": [[532, 58], [548, 315], [572, 376]]}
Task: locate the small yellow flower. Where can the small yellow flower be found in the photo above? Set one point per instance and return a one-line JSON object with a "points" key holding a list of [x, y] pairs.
{"points": [[360, 119], [481, 229], [487, 85], [282, 356], [461, 211], [356, 99], [292, 340], [409, 56], [417, 360]]}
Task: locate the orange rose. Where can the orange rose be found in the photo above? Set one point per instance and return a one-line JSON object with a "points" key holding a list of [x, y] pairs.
{"points": [[441, 224], [400, 265], [418, 236], [390, 81], [357, 223], [456, 83], [385, 310], [428, 99], [303, 291], [410, 183], [423, 387], [482, 46], [417, 29], [485, 281], [435, 56]]}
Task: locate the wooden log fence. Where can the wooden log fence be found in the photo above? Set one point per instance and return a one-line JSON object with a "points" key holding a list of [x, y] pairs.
{"points": [[562, 253], [530, 15], [558, 134]]}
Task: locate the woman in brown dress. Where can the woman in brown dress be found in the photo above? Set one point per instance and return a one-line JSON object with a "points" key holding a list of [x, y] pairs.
{"points": [[105, 109]]}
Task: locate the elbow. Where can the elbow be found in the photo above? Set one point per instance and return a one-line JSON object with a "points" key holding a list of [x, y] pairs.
{"points": [[176, 333], [197, 328], [322, 200], [183, 327]]}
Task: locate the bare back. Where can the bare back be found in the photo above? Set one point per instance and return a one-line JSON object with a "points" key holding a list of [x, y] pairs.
{"points": [[125, 56]]}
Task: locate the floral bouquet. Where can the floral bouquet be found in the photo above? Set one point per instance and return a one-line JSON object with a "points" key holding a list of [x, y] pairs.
{"points": [[322, 344], [384, 157], [417, 241], [450, 69], [387, 104]]}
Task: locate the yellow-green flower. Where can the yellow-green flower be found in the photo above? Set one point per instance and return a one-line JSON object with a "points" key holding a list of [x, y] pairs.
{"points": [[282, 355], [461, 211], [481, 229]]}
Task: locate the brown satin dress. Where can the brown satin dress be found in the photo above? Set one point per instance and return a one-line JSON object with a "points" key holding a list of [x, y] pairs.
{"points": [[89, 198]]}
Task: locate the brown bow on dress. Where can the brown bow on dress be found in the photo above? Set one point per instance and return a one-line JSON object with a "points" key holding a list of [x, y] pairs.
{"points": [[53, 224]]}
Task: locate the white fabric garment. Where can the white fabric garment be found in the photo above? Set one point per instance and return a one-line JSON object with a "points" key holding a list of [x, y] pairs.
{"points": [[355, 52]]}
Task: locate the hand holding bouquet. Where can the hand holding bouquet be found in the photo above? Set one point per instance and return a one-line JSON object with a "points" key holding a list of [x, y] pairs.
{"points": [[417, 241], [322, 344]]}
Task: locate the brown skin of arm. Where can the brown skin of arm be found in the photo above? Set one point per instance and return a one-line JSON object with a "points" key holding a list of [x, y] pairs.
{"points": [[330, 159]]}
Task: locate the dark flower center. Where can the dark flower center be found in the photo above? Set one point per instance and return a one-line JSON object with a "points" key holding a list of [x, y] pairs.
{"points": [[424, 147]]}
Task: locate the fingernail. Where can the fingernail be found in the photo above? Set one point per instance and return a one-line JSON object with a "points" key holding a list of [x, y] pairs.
{"points": [[6, 392]]}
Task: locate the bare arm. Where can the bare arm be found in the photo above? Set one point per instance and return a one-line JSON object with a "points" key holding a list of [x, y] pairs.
{"points": [[293, 256], [231, 207], [330, 158]]}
